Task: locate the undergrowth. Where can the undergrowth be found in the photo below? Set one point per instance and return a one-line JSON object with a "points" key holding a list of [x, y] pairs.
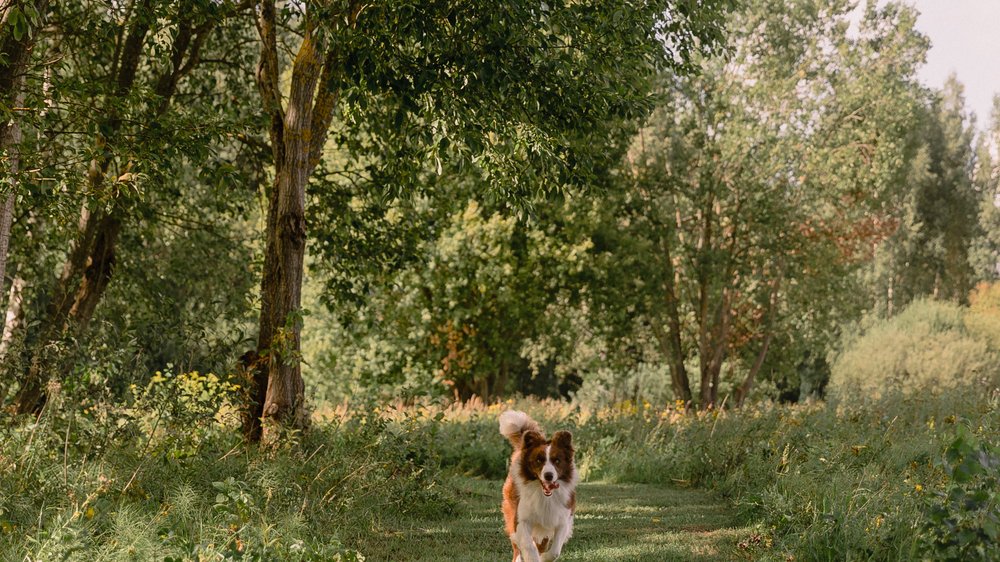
{"points": [[166, 477], [900, 478], [160, 482]]}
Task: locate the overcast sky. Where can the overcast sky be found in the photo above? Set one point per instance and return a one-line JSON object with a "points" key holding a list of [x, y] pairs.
{"points": [[965, 37]]}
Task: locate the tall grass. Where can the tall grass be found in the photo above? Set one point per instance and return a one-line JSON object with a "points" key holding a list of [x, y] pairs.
{"points": [[167, 478], [143, 484], [829, 481]]}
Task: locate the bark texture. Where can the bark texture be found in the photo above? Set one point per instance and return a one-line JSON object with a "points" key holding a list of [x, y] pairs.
{"points": [[15, 315], [298, 131], [671, 341]]}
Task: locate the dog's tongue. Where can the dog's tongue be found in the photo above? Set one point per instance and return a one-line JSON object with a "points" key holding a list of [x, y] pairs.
{"points": [[547, 488]]}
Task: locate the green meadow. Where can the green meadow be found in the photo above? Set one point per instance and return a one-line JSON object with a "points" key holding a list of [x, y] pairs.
{"points": [[901, 479], [270, 271]]}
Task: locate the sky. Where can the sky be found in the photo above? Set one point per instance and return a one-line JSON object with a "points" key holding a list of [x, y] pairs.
{"points": [[965, 37]]}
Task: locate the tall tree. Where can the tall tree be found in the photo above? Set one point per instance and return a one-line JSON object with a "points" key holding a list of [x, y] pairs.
{"points": [[20, 21], [985, 251], [514, 91], [928, 254], [130, 82], [762, 182]]}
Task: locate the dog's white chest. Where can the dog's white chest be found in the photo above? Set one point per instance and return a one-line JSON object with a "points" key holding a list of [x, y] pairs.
{"points": [[544, 513]]}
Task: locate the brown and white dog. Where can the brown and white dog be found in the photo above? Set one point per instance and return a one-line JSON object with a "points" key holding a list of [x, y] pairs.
{"points": [[539, 496]]}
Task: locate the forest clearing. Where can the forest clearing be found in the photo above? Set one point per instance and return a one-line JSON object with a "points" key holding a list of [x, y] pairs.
{"points": [[272, 271]]}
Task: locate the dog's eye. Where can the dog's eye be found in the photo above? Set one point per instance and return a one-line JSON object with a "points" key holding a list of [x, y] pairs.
{"points": [[556, 461]]}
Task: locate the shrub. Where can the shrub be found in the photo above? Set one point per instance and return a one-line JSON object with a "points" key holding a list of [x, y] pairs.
{"points": [[963, 520], [983, 317], [926, 348]]}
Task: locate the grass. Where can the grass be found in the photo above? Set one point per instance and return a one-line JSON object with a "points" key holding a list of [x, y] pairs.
{"points": [[898, 478], [635, 522]]}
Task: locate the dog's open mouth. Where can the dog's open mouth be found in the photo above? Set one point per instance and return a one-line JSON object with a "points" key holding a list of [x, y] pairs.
{"points": [[549, 487]]}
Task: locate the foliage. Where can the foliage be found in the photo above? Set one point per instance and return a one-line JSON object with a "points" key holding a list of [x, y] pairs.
{"points": [[928, 254], [926, 348], [983, 315], [964, 519], [985, 251], [758, 186], [582, 200], [823, 481], [488, 306]]}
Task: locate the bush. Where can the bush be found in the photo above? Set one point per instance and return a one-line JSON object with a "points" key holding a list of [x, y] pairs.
{"points": [[983, 317], [926, 348], [963, 520]]}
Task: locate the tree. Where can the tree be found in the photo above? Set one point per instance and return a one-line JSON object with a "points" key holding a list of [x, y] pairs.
{"points": [[761, 183], [930, 251], [19, 26], [515, 92], [484, 308], [985, 251], [127, 64]]}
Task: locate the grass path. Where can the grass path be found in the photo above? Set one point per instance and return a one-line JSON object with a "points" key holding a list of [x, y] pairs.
{"points": [[613, 522]]}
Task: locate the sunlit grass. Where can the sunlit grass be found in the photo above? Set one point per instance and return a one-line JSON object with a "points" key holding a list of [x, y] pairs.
{"points": [[613, 522], [813, 482]]}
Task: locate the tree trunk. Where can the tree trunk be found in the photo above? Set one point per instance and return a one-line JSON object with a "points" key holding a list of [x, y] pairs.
{"points": [[706, 327], [670, 342], [14, 316], [297, 135], [6, 219], [10, 144], [772, 302], [16, 53], [12, 72], [713, 352], [280, 325], [31, 395], [744, 390], [89, 266], [890, 297], [97, 276]]}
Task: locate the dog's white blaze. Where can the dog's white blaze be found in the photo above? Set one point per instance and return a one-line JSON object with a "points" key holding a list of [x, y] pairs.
{"points": [[549, 467]]}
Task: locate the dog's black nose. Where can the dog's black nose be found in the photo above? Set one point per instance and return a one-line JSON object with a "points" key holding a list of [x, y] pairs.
{"points": [[549, 476]]}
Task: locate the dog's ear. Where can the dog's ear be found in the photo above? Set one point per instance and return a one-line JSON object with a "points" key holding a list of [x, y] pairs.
{"points": [[563, 440], [531, 439]]}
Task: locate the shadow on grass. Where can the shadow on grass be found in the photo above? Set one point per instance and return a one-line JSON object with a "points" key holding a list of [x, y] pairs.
{"points": [[613, 522]]}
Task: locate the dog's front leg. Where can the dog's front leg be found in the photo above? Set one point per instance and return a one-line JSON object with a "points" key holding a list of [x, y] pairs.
{"points": [[559, 538], [525, 543]]}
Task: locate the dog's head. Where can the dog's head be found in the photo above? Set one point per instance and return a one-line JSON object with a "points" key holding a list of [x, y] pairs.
{"points": [[549, 462]]}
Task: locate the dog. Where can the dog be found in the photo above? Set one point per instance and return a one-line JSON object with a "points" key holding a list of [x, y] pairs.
{"points": [[539, 495]]}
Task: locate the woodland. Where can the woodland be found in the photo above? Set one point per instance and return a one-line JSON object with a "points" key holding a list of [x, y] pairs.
{"points": [[271, 269]]}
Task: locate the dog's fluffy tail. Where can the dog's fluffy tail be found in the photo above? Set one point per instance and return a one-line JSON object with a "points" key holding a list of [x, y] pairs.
{"points": [[514, 424]]}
